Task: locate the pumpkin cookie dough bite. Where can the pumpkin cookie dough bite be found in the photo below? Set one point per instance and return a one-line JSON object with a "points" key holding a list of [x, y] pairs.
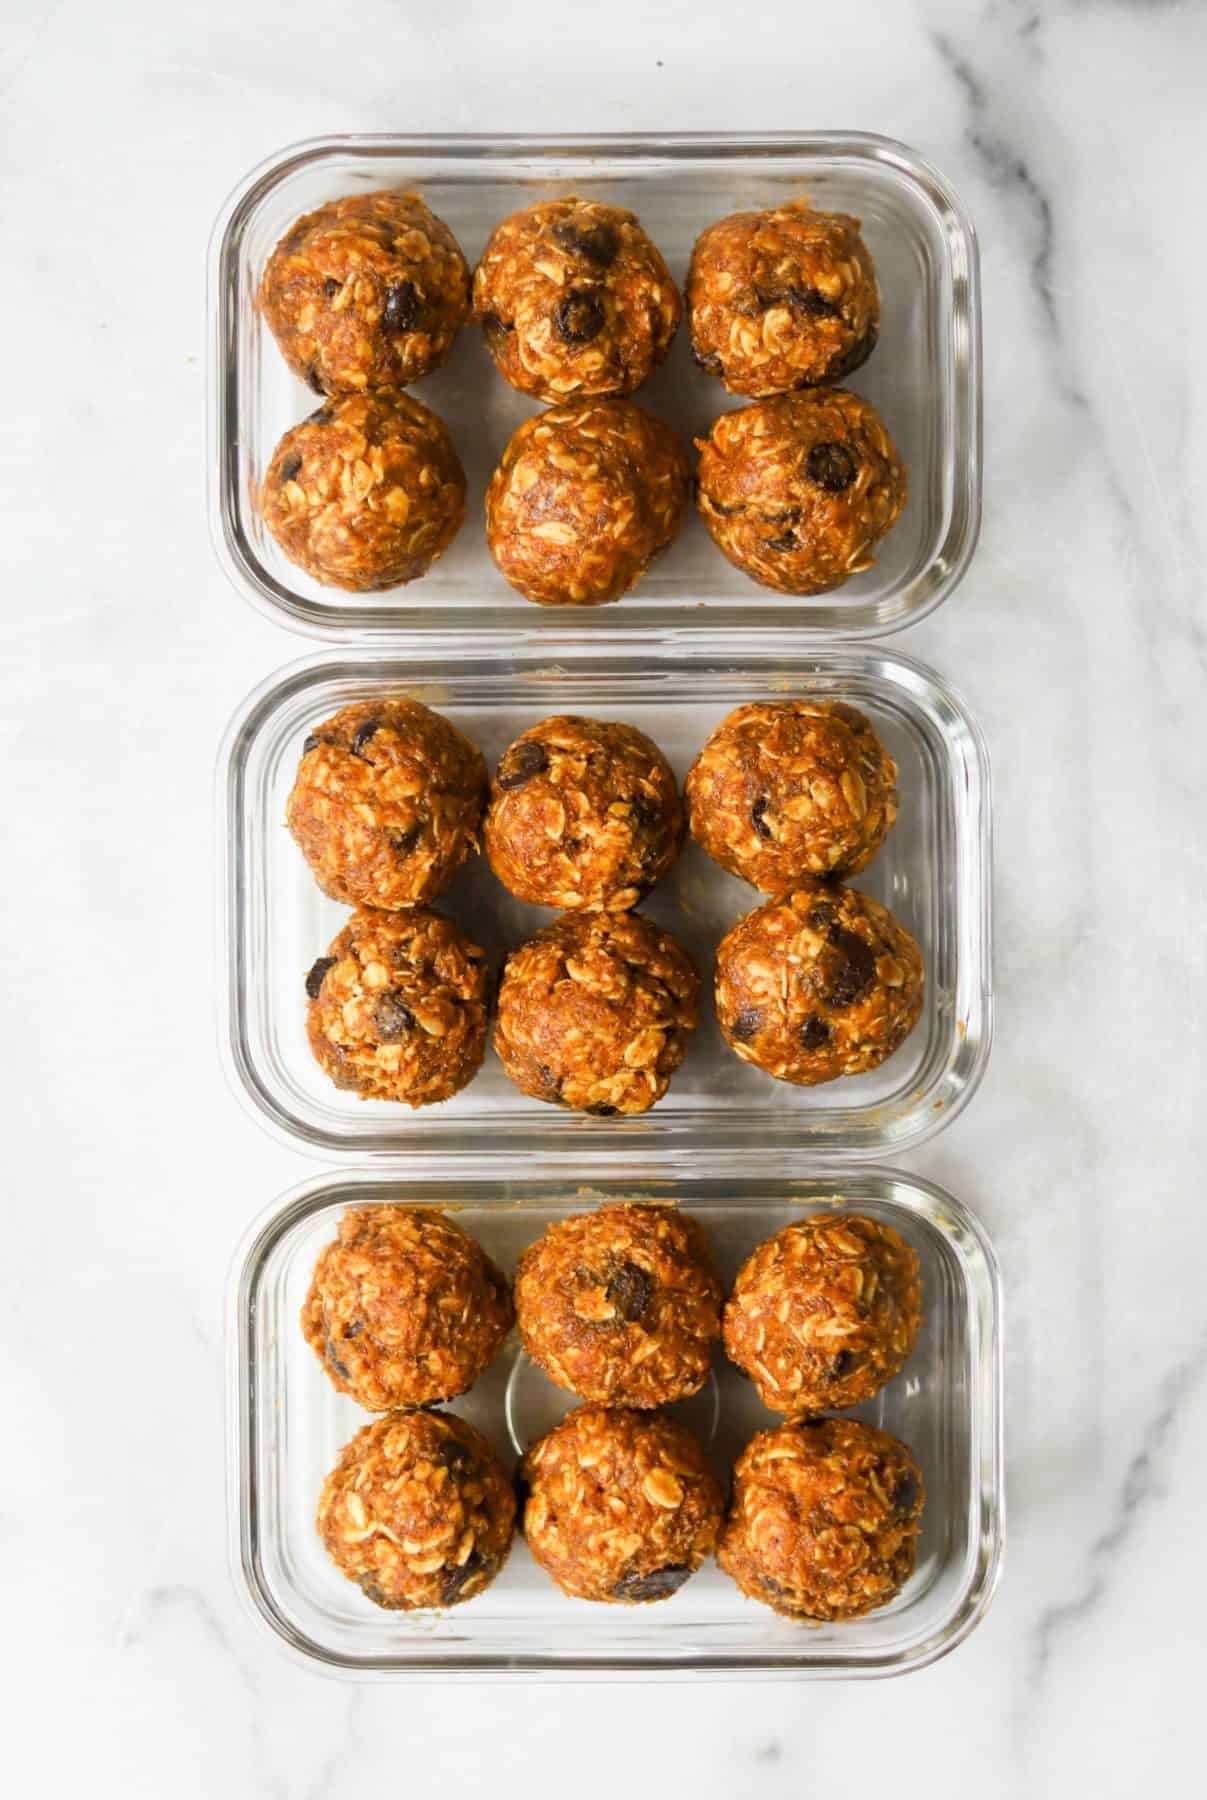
{"points": [[798, 491], [621, 1306], [585, 496], [824, 1313], [821, 983], [595, 1013], [397, 1008], [824, 1519], [782, 299], [786, 789], [405, 1308], [584, 815], [367, 292], [621, 1506], [366, 493], [418, 1511], [574, 300], [387, 803]]}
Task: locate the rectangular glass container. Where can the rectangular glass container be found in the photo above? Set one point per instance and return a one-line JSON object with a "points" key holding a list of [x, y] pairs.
{"points": [[932, 872], [288, 1424], [924, 374]]}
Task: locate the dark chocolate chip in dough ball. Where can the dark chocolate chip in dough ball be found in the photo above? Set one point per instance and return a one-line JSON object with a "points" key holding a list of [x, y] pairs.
{"points": [[798, 491], [574, 300]]}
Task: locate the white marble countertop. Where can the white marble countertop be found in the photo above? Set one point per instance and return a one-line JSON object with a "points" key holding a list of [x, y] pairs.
{"points": [[1074, 132]]}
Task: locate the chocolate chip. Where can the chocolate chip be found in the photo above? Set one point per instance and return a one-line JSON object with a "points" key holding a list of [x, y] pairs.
{"points": [[354, 1328], [314, 380], [787, 541], [312, 743], [494, 326], [905, 1495], [744, 1024], [322, 415], [314, 980], [856, 970], [331, 287], [629, 1291], [707, 360], [363, 734], [602, 1110], [335, 1362], [856, 356], [290, 467], [579, 317], [810, 302], [758, 817], [655, 1584], [521, 763], [598, 243], [452, 1581], [453, 1454], [392, 1018], [820, 917], [549, 1081], [403, 842], [403, 308], [841, 1365], [831, 466], [814, 1032]]}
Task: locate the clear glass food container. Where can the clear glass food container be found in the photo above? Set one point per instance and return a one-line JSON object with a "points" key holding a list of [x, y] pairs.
{"points": [[932, 872], [287, 1425], [924, 375]]}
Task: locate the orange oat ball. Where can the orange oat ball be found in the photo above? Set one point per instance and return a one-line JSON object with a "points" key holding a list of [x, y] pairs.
{"points": [[782, 299], [824, 1519], [824, 1313], [405, 1308]]}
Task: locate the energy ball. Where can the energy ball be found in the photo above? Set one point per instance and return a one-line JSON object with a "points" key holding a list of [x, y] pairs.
{"points": [[387, 802], [824, 1313], [785, 789], [798, 491], [418, 1511], [595, 1012], [586, 495], [782, 299], [621, 1306], [367, 292], [621, 1505], [397, 1009], [405, 1308], [824, 1519], [366, 493], [574, 300], [821, 983], [583, 814]]}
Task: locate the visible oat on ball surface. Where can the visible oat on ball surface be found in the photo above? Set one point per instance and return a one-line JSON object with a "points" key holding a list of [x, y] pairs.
{"points": [[584, 814], [821, 983], [574, 300], [387, 803], [798, 491], [366, 292], [405, 1308], [366, 493], [622, 1305], [786, 789], [595, 1012], [824, 1519], [782, 299], [622, 1506], [418, 1511], [397, 1008], [585, 496], [824, 1313]]}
